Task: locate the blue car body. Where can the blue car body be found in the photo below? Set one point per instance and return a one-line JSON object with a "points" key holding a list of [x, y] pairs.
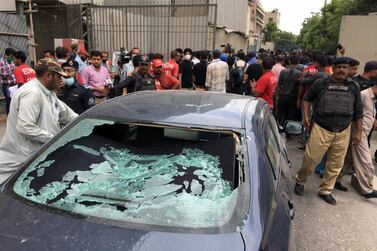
{"points": [[267, 222]]}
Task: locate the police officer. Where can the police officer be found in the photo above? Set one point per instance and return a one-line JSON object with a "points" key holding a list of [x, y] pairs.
{"points": [[76, 96], [366, 79], [337, 103], [141, 80]]}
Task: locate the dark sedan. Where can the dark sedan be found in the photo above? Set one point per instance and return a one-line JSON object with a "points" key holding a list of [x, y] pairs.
{"points": [[155, 171]]}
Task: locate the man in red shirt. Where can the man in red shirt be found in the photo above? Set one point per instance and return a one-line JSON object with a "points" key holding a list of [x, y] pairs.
{"points": [[22, 72], [265, 87], [172, 67], [164, 81]]}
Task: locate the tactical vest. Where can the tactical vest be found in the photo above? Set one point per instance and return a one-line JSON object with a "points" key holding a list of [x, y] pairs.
{"points": [[144, 83], [336, 99]]}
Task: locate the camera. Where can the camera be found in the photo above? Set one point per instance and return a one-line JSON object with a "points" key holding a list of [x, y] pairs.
{"points": [[124, 57]]}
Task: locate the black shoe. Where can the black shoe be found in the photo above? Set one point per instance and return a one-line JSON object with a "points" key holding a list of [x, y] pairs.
{"points": [[299, 189], [301, 148], [328, 198], [371, 195], [339, 186]]}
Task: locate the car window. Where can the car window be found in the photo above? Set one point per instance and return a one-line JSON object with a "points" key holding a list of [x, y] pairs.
{"points": [[272, 145], [135, 173]]}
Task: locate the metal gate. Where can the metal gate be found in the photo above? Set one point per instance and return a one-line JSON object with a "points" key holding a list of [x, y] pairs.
{"points": [[152, 28]]}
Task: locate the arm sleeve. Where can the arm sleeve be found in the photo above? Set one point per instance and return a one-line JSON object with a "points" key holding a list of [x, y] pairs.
{"points": [[85, 76], [19, 76], [66, 115], [358, 105], [261, 86], [29, 108], [176, 71], [208, 77], [88, 99], [313, 91], [128, 82]]}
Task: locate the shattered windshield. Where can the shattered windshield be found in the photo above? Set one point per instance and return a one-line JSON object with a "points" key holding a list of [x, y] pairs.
{"points": [[139, 174]]}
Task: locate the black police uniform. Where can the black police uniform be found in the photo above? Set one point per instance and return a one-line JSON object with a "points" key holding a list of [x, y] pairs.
{"points": [[363, 82], [136, 82], [335, 105], [77, 97]]}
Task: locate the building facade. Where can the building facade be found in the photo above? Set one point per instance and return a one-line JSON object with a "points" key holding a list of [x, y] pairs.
{"points": [[256, 25], [273, 17]]}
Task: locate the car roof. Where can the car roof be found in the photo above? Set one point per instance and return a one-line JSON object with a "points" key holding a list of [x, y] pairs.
{"points": [[195, 108]]}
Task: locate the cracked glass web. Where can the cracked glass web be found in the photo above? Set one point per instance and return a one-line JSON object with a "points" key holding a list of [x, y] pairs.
{"points": [[147, 189]]}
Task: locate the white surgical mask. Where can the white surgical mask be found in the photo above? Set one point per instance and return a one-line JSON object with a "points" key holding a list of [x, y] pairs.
{"points": [[187, 57], [69, 81]]}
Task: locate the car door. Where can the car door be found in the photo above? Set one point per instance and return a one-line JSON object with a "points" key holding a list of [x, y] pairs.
{"points": [[278, 226]]}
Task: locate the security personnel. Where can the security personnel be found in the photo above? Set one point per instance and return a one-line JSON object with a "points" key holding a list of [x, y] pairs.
{"points": [[337, 102], [141, 80], [76, 96]]}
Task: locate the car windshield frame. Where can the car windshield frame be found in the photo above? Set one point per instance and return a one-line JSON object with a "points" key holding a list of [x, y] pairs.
{"points": [[234, 224]]}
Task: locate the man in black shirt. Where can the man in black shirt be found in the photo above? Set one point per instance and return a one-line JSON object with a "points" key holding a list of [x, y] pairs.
{"points": [[141, 80], [76, 96], [337, 103], [254, 72], [186, 69], [370, 72], [200, 71], [287, 92]]}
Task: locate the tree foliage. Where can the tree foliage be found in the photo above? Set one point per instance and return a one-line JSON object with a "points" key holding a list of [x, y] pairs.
{"points": [[321, 31], [283, 40]]}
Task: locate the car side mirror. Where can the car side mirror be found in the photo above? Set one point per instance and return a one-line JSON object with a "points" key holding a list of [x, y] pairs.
{"points": [[293, 127]]}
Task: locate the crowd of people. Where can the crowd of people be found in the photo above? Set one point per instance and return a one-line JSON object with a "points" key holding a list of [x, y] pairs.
{"points": [[335, 105]]}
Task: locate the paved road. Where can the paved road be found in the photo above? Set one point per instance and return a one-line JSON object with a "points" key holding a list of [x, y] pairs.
{"points": [[350, 225]]}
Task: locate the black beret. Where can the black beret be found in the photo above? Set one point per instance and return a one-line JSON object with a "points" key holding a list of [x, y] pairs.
{"points": [[370, 66], [342, 60], [71, 63]]}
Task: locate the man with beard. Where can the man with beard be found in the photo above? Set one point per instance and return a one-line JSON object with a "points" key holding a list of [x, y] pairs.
{"points": [[36, 115], [337, 103], [97, 77]]}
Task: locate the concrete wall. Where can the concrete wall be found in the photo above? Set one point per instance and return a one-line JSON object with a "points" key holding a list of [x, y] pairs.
{"points": [[233, 14], [358, 35]]}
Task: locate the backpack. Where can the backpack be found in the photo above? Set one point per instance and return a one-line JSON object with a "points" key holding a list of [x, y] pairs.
{"points": [[235, 83]]}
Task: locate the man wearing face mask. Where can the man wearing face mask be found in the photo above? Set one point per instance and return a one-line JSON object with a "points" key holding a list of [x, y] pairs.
{"points": [[186, 68], [36, 115], [79, 98], [7, 77]]}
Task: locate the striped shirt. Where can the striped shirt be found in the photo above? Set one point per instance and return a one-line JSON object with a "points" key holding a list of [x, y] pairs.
{"points": [[217, 75], [7, 72]]}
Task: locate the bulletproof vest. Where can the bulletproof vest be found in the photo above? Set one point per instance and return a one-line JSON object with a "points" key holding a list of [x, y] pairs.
{"points": [[144, 83], [336, 99]]}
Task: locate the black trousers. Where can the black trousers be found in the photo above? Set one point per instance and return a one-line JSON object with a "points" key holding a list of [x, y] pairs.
{"points": [[287, 109]]}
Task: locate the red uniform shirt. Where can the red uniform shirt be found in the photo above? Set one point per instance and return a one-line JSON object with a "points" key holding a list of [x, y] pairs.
{"points": [[266, 87], [166, 81], [24, 73], [172, 68]]}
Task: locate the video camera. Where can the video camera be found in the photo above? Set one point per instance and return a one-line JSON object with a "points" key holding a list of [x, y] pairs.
{"points": [[124, 57]]}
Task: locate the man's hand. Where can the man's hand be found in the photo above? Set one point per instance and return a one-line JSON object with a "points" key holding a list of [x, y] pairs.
{"points": [[102, 89], [356, 138], [59, 86], [307, 122], [299, 103]]}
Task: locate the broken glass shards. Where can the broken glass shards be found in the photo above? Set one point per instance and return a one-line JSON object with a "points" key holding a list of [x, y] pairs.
{"points": [[184, 190]]}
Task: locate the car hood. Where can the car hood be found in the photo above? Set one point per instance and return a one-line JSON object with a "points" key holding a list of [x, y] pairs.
{"points": [[26, 227]]}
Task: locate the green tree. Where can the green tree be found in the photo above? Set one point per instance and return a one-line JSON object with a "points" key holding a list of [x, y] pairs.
{"points": [[285, 41], [269, 32]]}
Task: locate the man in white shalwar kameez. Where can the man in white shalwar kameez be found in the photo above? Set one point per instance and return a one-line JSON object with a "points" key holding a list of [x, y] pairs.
{"points": [[36, 115]]}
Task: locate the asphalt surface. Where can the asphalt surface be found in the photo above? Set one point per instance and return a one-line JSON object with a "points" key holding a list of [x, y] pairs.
{"points": [[350, 225]]}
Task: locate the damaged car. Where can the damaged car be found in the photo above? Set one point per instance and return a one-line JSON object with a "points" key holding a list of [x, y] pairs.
{"points": [[156, 171]]}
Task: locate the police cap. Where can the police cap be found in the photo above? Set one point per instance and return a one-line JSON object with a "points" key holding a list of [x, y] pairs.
{"points": [[370, 66], [71, 63], [342, 60], [144, 60]]}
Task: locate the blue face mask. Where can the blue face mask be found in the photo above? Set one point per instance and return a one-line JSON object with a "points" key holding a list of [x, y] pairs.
{"points": [[69, 81]]}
